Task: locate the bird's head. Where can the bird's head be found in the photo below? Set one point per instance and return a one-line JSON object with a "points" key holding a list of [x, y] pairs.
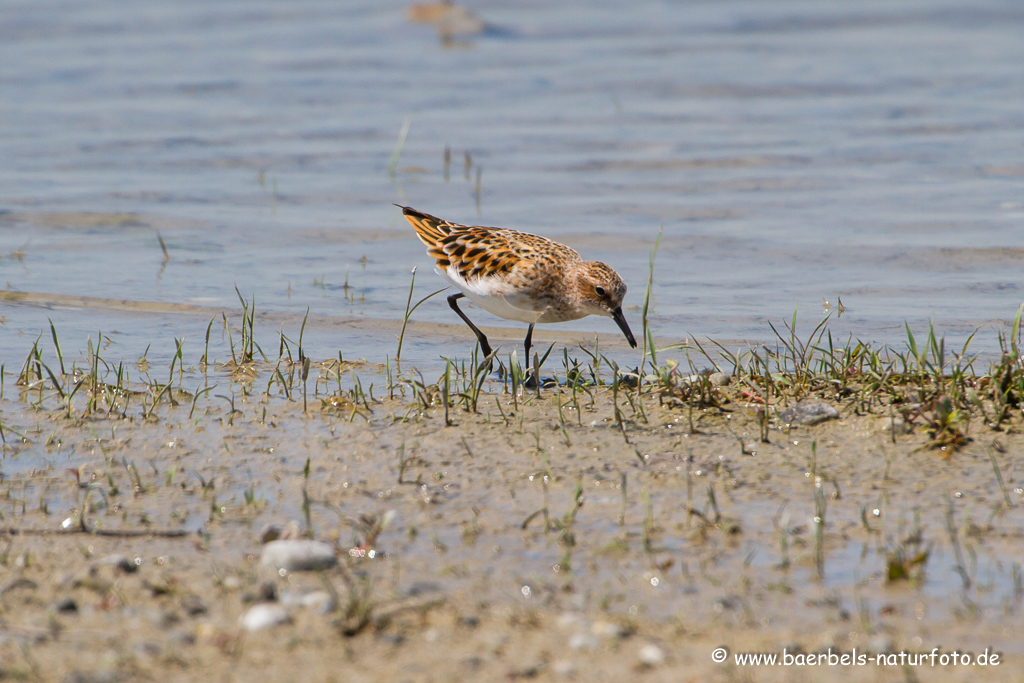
{"points": [[601, 292]]}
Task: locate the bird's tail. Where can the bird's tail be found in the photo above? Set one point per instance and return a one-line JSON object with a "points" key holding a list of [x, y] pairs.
{"points": [[430, 229]]}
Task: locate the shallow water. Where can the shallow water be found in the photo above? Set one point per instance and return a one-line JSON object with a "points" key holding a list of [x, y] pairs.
{"points": [[792, 154]]}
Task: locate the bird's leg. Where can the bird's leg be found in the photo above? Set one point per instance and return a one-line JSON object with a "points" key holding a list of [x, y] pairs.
{"points": [[453, 301], [531, 380], [528, 343]]}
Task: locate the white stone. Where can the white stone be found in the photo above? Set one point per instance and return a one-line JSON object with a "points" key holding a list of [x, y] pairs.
{"points": [[584, 641], [651, 655], [298, 555], [264, 615], [305, 599]]}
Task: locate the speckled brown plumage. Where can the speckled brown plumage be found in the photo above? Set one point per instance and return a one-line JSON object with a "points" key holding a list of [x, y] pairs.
{"points": [[519, 276]]}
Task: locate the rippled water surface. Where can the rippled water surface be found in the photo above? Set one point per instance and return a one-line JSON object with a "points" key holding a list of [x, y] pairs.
{"points": [[792, 153]]}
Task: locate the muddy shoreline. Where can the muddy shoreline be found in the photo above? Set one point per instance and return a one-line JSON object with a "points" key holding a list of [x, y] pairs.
{"points": [[601, 534]]}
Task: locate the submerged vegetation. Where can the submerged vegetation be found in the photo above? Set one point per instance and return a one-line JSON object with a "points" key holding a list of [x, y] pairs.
{"points": [[924, 385]]}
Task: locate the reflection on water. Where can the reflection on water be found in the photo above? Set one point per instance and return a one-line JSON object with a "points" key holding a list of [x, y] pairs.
{"points": [[792, 153]]}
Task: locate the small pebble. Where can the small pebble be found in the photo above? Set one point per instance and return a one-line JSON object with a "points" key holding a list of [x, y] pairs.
{"points": [[65, 605], [307, 599], [472, 662], [298, 555], [879, 644], [394, 639], [719, 379], [273, 532], [193, 605], [231, 583], [568, 620], [264, 615], [563, 667], [423, 588], [267, 592], [899, 426], [118, 561], [531, 670], [651, 655], [147, 649], [584, 641], [608, 629], [181, 638], [808, 413]]}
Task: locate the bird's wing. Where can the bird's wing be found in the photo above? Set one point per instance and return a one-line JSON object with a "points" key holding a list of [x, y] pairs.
{"points": [[478, 251]]}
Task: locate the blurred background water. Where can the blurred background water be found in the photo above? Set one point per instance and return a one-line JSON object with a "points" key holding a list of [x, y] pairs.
{"points": [[791, 152]]}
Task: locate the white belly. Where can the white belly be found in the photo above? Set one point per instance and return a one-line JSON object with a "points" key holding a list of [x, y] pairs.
{"points": [[495, 296]]}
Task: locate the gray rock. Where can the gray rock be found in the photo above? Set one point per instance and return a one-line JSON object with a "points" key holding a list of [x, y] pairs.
{"points": [[719, 379], [808, 413], [298, 555]]}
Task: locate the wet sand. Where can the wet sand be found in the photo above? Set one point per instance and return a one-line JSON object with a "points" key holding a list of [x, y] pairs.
{"points": [[535, 538]]}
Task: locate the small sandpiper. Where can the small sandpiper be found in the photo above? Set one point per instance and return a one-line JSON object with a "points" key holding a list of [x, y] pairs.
{"points": [[519, 276]]}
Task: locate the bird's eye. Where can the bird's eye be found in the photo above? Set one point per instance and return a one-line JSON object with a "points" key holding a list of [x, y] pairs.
{"points": [[599, 291]]}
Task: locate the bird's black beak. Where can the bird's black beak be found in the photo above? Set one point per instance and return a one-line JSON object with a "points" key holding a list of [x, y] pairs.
{"points": [[620, 320]]}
